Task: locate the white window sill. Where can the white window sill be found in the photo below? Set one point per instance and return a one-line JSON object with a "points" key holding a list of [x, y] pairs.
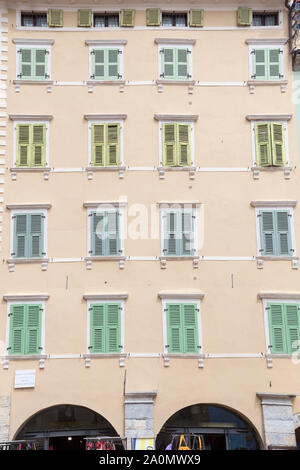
{"points": [[120, 168], [253, 83], [294, 260], [163, 260], [92, 83], [120, 356], [25, 357], [13, 261], [168, 356], [90, 259], [189, 83], [191, 169], [19, 83], [285, 169]]}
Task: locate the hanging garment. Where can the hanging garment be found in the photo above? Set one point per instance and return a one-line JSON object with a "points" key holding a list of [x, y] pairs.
{"points": [[100, 445], [196, 443], [89, 446], [182, 443], [170, 446]]}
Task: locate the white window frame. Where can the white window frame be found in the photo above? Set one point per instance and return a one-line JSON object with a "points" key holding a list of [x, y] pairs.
{"points": [[110, 11], [88, 322], [253, 47], [109, 207], [34, 46], [174, 45], [107, 46], [106, 121], [15, 145], [30, 10], [271, 10], [286, 142], [182, 300], [179, 11], [179, 207], [29, 211], [160, 140], [258, 235], [43, 326]]}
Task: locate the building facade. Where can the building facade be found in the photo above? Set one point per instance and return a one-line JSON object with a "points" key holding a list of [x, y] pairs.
{"points": [[150, 224]]}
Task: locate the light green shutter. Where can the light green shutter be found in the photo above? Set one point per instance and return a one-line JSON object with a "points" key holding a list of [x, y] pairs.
{"points": [[113, 328], [184, 147], [267, 232], [36, 235], [292, 327], [263, 144], [55, 18], [153, 17], [127, 18], [112, 225], [113, 66], [283, 233], [182, 64], [20, 236], [278, 145], [38, 153], [244, 16], [190, 328], [98, 59], [172, 239], [168, 57], [40, 64], [187, 233], [26, 59], [276, 327], [97, 328], [169, 132], [174, 329], [260, 64], [33, 329], [84, 18], [23, 145], [97, 233], [17, 329], [274, 64], [196, 18], [98, 144], [113, 144]]}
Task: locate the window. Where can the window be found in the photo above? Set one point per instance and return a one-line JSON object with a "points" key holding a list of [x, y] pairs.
{"points": [[177, 19], [182, 328], [270, 144], [105, 327], [275, 232], [178, 232], [32, 18], [106, 64], [175, 63], [105, 144], [284, 327], [267, 63], [106, 20], [25, 329], [176, 144], [33, 63], [105, 231], [265, 18], [31, 145], [28, 234]]}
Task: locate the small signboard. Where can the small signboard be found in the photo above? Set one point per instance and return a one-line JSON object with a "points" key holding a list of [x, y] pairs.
{"points": [[24, 378]]}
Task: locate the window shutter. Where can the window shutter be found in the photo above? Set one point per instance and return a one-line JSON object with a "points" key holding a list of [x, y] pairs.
{"points": [[55, 18], [260, 64], [283, 233], [263, 144], [171, 240], [196, 18], [17, 329], [33, 329], [190, 328], [84, 18], [278, 145], [113, 64], [184, 148], [153, 17], [112, 233], [244, 16], [98, 144], [23, 148], [26, 64], [174, 327], [97, 234], [187, 236], [127, 18], [99, 64], [20, 235], [40, 64], [169, 144], [97, 331], [168, 63], [113, 144], [292, 327], [267, 230], [274, 65], [277, 332], [38, 153], [113, 329], [36, 235], [182, 64]]}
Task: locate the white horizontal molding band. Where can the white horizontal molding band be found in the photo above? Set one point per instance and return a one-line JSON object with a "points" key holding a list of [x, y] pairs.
{"points": [[176, 117], [106, 42], [94, 205], [279, 295], [238, 84], [28, 206], [234, 355], [30, 117], [179, 41], [227, 258], [65, 260], [216, 169], [149, 356], [273, 203], [180, 296], [267, 41], [106, 296], [269, 117], [90, 117], [25, 297], [33, 42], [179, 203], [67, 170]]}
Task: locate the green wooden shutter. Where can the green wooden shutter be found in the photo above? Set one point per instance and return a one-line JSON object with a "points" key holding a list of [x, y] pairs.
{"points": [[277, 330], [182, 64], [190, 328], [113, 328], [33, 329], [184, 147], [172, 239], [196, 18], [36, 235], [84, 18], [127, 18], [168, 57], [55, 18], [169, 132], [292, 327], [113, 66], [98, 144], [187, 234], [40, 64], [283, 233], [20, 236], [244, 16], [112, 233], [17, 329], [97, 328], [23, 145], [274, 64], [263, 144], [267, 232], [38, 153], [174, 329], [278, 144], [113, 144], [260, 64], [26, 59], [98, 59], [97, 233], [153, 17]]}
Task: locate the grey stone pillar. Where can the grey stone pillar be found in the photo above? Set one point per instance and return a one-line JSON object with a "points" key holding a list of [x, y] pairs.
{"points": [[4, 417], [278, 420], [139, 422]]}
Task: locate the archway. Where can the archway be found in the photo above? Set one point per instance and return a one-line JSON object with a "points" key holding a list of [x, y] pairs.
{"points": [[219, 428], [68, 427]]}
